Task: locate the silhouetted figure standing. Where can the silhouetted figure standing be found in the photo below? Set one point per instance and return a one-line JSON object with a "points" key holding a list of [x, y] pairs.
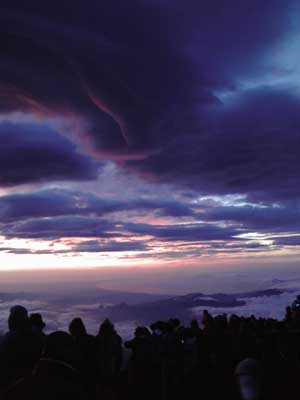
{"points": [[158, 331], [85, 355], [289, 316], [296, 312], [172, 361], [191, 365], [208, 322], [141, 365], [54, 376], [37, 326], [110, 352], [19, 349]]}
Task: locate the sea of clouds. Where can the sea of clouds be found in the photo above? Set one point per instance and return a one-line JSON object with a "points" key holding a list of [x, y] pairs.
{"points": [[263, 306], [58, 312], [58, 316]]}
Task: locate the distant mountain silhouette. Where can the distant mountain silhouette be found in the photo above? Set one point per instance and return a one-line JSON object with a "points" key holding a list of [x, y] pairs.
{"points": [[179, 306], [76, 296]]}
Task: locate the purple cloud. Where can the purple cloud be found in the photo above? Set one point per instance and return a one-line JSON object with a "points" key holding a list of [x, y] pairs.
{"points": [[287, 241], [197, 98], [95, 246], [32, 153], [184, 232], [57, 227], [139, 74], [59, 202], [284, 217], [252, 148]]}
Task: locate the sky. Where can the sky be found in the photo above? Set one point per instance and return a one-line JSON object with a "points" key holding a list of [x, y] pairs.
{"points": [[149, 134]]}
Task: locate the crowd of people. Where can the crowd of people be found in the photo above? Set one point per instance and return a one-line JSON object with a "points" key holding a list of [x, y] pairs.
{"points": [[218, 357]]}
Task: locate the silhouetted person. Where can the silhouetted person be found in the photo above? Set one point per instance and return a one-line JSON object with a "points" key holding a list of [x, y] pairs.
{"points": [[85, 354], [142, 364], [195, 327], [37, 326], [289, 316], [236, 358], [207, 321], [172, 360], [19, 349], [110, 353], [37, 323], [296, 312], [191, 350], [54, 376], [159, 329], [296, 303]]}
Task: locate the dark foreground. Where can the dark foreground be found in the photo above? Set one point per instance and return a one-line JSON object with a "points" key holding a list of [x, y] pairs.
{"points": [[233, 358]]}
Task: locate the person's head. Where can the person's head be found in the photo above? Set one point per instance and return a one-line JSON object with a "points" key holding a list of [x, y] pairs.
{"points": [[207, 319], [59, 346], [141, 331], [106, 328], [36, 322], [18, 318], [158, 328], [77, 328]]}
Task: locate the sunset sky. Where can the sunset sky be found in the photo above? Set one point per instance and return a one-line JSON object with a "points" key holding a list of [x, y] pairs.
{"points": [[149, 133]]}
